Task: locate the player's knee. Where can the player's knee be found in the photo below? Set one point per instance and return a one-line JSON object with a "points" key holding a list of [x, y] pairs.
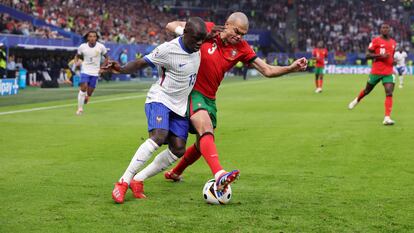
{"points": [[160, 139], [178, 150], [388, 94]]}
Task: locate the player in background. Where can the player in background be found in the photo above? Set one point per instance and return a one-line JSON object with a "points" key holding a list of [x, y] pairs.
{"points": [[166, 104], [319, 54], [381, 50], [91, 53], [399, 60], [219, 53]]}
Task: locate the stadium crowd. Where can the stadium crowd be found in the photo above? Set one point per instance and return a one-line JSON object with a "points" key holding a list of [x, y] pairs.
{"points": [[120, 21], [337, 23], [9, 25], [348, 25]]}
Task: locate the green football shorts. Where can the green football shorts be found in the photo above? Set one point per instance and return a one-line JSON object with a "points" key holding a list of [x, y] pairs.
{"points": [[196, 102], [375, 78], [319, 70]]}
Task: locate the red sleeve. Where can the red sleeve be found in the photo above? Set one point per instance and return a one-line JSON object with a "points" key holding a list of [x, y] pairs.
{"points": [[326, 53], [313, 52], [373, 45], [209, 26], [248, 54]]}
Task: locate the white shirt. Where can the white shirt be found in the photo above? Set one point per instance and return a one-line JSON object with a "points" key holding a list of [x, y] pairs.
{"points": [[177, 69], [91, 58], [399, 58]]}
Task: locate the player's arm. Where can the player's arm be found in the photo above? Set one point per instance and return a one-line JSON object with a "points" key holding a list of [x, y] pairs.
{"points": [[129, 68], [176, 27], [372, 55], [270, 71]]}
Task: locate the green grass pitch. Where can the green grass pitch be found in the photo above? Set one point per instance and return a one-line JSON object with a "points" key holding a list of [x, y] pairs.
{"points": [[308, 164]]}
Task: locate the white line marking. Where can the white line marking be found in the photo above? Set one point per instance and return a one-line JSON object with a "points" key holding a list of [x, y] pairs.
{"points": [[110, 100], [70, 105]]}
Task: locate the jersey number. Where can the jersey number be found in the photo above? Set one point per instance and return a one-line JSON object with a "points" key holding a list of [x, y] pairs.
{"points": [[192, 80], [382, 50]]}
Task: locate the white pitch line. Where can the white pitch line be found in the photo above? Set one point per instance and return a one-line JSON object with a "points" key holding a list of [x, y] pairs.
{"points": [[69, 105], [109, 100]]}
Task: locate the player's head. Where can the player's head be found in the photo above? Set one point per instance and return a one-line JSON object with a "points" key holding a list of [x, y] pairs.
{"points": [[320, 44], [385, 29], [236, 26], [91, 37], [400, 49], [195, 32]]}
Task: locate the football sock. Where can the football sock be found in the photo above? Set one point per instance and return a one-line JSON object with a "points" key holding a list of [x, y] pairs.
{"points": [[209, 151], [320, 82], [218, 174], [401, 80], [190, 156], [361, 95], [142, 155], [388, 105], [161, 162], [81, 98]]}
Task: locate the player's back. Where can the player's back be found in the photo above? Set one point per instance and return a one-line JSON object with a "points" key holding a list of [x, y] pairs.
{"points": [[177, 69]]}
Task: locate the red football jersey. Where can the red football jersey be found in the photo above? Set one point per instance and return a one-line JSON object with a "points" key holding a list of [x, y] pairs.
{"points": [[383, 66], [217, 59], [320, 55]]}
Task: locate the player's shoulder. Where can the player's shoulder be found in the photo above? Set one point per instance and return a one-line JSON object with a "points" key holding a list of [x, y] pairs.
{"points": [[243, 45], [99, 44], [209, 26]]}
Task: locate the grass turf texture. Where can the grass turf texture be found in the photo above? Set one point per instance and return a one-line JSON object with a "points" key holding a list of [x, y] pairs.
{"points": [[307, 163]]}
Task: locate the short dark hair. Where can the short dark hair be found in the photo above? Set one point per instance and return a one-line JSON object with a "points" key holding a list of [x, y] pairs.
{"points": [[85, 37]]}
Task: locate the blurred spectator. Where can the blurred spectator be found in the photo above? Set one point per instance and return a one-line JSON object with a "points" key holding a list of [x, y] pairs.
{"points": [[123, 57], [11, 67], [2, 61], [349, 24]]}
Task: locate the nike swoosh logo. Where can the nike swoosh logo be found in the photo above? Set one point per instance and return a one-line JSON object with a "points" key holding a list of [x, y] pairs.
{"points": [[181, 65]]}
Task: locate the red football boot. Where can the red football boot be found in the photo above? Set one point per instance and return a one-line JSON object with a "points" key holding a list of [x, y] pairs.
{"points": [[170, 175], [118, 194], [137, 188]]}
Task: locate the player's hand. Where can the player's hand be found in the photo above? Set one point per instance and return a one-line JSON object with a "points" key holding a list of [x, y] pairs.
{"points": [[214, 31], [299, 65], [110, 66]]}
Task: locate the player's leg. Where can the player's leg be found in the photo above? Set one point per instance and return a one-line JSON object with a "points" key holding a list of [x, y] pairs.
{"points": [[388, 83], [316, 81], [202, 123], [83, 87], [191, 155], [197, 102], [91, 87], [372, 82], [177, 138], [158, 127], [176, 149], [401, 71], [320, 83]]}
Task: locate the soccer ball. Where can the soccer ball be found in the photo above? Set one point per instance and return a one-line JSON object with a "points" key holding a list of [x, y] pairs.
{"points": [[211, 196]]}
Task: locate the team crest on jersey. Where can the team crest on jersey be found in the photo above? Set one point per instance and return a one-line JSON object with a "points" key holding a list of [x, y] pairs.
{"points": [[199, 104], [212, 49], [233, 53], [159, 119]]}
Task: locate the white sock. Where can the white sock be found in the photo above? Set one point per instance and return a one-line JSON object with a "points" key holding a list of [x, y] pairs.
{"points": [[401, 80], [161, 162], [142, 155], [81, 99], [218, 174]]}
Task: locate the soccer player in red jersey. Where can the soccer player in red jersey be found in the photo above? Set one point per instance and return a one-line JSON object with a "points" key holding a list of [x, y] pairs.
{"points": [[381, 50], [219, 54], [319, 54]]}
